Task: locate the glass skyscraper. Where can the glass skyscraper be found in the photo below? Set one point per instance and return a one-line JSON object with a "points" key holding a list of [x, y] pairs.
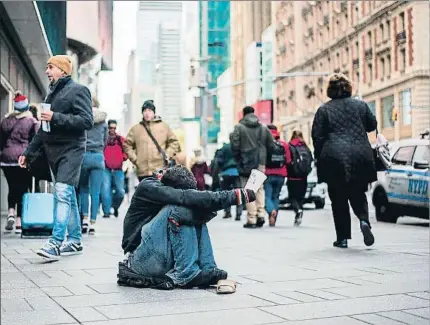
{"points": [[219, 51]]}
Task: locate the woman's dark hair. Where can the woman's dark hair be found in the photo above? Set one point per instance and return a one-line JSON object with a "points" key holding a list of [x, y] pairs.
{"points": [[179, 177], [339, 86], [112, 122], [272, 127], [298, 135]]}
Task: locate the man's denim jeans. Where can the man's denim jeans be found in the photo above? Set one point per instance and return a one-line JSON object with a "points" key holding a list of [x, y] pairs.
{"points": [[180, 252], [113, 180], [66, 214], [90, 183], [272, 189]]}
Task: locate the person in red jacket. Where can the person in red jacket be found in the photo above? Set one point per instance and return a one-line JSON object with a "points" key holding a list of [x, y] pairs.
{"points": [[276, 172], [113, 182]]}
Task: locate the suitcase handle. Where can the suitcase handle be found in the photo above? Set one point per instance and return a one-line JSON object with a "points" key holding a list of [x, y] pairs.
{"points": [[33, 185]]}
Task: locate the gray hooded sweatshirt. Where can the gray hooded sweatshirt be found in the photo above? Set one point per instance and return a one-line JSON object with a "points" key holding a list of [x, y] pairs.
{"points": [[97, 136]]}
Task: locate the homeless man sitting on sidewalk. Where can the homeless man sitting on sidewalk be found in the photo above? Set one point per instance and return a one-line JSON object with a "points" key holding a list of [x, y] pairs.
{"points": [[166, 235]]}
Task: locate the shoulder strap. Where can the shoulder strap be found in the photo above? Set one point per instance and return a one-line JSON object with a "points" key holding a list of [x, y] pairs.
{"points": [[160, 150]]}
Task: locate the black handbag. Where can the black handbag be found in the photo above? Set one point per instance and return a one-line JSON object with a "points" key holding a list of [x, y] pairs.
{"points": [[381, 155]]}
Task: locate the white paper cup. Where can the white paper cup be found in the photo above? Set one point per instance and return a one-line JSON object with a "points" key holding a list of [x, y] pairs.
{"points": [[255, 180], [45, 107]]}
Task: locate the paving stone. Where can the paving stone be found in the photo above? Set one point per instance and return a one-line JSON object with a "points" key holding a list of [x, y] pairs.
{"points": [[15, 305], [421, 312], [422, 295], [325, 321], [79, 289], [405, 317], [41, 317], [322, 294], [375, 319], [246, 316], [86, 314], [42, 303], [181, 306], [16, 284], [109, 288], [57, 291], [376, 289], [355, 280], [277, 299], [299, 297], [19, 293], [346, 307]]}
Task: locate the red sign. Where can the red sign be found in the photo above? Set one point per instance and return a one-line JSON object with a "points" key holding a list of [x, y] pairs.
{"points": [[263, 110]]}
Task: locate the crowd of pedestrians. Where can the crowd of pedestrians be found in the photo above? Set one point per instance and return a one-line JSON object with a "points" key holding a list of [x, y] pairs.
{"points": [[89, 163]]}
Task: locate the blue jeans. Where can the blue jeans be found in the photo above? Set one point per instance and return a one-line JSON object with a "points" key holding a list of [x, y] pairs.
{"points": [[112, 189], [90, 183], [179, 252], [272, 189], [66, 214]]}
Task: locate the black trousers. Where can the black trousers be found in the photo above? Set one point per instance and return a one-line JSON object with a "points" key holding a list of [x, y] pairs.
{"points": [[296, 193], [19, 182], [341, 197], [230, 183]]}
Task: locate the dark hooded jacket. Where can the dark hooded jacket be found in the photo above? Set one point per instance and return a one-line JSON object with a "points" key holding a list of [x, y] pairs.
{"points": [[342, 150], [151, 196], [97, 135], [248, 135], [65, 144]]}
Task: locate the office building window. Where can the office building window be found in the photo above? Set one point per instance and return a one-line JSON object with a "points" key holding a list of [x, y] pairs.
{"points": [[406, 102], [387, 104], [145, 72]]}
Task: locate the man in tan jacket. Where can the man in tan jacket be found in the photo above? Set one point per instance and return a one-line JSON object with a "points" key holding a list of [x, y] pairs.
{"points": [[142, 150]]}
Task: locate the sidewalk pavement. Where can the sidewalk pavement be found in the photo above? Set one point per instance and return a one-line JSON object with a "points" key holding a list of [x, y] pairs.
{"points": [[285, 275]]}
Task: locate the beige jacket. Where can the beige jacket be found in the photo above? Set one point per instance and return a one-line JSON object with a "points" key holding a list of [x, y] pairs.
{"points": [[141, 150]]}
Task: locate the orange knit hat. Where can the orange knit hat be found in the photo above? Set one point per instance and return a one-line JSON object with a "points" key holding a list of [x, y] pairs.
{"points": [[62, 62]]}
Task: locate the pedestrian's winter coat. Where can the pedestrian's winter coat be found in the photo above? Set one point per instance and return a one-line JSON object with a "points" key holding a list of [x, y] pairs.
{"points": [[114, 152], [342, 150], [296, 142], [283, 170], [65, 145], [141, 150], [248, 135], [199, 169], [17, 131], [97, 135], [151, 196]]}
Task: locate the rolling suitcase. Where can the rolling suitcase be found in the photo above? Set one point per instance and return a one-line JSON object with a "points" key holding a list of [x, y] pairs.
{"points": [[37, 213]]}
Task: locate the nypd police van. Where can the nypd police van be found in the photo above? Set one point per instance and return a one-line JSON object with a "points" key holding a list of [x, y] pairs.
{"points": [[402, 190]]}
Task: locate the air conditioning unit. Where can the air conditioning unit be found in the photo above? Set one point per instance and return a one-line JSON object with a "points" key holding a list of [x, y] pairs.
{"points": [[194, 76]]}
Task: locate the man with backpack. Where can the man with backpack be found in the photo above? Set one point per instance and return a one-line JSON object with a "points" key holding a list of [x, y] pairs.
{"points": [[228, 175], [298, 170], [249, 143], [113, 183], [276, 170]]}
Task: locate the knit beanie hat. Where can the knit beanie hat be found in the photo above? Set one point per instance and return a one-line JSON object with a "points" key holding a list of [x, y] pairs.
{"points": [[20, 102], [148, 104], [62, 62]]}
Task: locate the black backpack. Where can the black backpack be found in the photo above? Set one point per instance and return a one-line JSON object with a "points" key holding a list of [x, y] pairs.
{"points": [[276, 156], [301, 162]]}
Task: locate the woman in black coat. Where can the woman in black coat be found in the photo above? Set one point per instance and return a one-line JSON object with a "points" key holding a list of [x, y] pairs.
{"points": [[344, 157]]}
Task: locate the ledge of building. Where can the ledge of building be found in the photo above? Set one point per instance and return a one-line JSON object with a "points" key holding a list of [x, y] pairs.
{"points": [[25, 31], [84, 52]]}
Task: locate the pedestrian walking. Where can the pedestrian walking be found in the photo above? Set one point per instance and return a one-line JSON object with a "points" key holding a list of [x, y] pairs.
{"points": [[276, 170], [299, 167], [113, 188], [64, 142], [92, 170], [228, 176], [17, 130], [151, 144], [249, 143], [199, 168], [344, 156]]}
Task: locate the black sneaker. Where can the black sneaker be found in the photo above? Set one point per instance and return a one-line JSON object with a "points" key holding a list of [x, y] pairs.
{"points": [[260, 222], [106, 216], [128, 278], [92, 230], [85, 226], [227, 215], [250, 225], [298, 218], [115, 213], [71, 248], [368, 237], [10, 223], [207, 278], [341, 243]]}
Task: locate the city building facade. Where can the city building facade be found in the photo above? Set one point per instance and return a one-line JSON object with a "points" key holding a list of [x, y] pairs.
{"points": [[248, 19], [382, 46], [225, 104], [27, 40], [253, 73], [218, 20]]}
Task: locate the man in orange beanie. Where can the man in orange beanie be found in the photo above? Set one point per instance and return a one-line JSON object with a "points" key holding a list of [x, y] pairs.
{"points": [[69, 117]]}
